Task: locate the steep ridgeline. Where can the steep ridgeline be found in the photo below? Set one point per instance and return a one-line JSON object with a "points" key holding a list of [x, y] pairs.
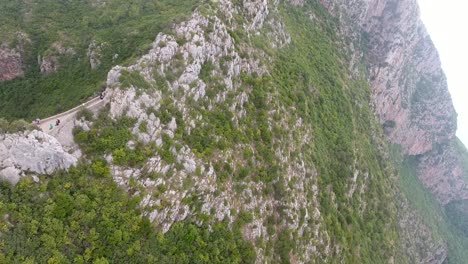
{"points": [[250, 112], [254, 129]]}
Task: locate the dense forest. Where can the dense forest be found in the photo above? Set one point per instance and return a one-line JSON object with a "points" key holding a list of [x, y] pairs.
{"points": [[122, 30], [81, 216]]}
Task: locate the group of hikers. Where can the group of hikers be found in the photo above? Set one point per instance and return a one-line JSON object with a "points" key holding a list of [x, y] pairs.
{"points": [[57, 123], [37, 121]]}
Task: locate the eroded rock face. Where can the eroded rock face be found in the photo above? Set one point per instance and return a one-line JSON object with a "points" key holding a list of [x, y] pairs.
{"points": [[409, 88], [442, 172], [31, 152], [95, 54], [409, 91], [10, 63], [408, 85]]}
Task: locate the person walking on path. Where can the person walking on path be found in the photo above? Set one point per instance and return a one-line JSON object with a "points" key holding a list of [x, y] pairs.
{"points": [[57, 122], [51, 127]]}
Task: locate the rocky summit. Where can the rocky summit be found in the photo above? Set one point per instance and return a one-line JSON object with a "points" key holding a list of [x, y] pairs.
{"points": [[240, 131]]}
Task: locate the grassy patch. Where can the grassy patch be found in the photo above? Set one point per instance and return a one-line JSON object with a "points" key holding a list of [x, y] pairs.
{"points": [[133, 78], [205, 72]]}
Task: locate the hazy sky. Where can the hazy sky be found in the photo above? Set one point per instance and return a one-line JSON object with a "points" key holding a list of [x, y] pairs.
{"points": [[447, 22]]}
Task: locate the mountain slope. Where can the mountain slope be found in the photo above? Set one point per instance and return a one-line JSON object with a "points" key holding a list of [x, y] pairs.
{"points": [[266, 122]]}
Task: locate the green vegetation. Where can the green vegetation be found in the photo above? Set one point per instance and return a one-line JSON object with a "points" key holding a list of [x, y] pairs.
{"points": [[205, 72], [80, 216], [15, 126], [463, 155], [310, 76], [129, 78], [457, 213], [111, 137], [106, 136], [85, 114], [126, 29], [432, 213]]}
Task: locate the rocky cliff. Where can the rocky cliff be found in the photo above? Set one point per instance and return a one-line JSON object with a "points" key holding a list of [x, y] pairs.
{"points": [[197, 72], [11, 65], [272, 117], [409, 88], [176, 63]]}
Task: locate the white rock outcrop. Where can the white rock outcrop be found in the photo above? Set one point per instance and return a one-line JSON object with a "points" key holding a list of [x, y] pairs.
{"points": [[31, 152]]}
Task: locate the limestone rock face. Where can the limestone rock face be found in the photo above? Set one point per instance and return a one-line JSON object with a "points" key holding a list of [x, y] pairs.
{"points": [[10, 174], [94, 54], [409, 88], [31, 152], [442, 171], [409, 92], [176, 66], [408, 85], [10, 64]]}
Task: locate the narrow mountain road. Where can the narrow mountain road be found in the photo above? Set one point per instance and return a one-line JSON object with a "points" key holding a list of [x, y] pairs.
{"points": [[68, 117]]}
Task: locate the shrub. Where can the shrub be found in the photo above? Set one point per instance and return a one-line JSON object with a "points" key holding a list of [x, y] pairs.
{"points": [[119, 156], [243, 172], [143, 127], [181, 41], [101, 169], [205, 72], [86, 114], [4, 125], [133, 78], [19, 126], [170, 75]]}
